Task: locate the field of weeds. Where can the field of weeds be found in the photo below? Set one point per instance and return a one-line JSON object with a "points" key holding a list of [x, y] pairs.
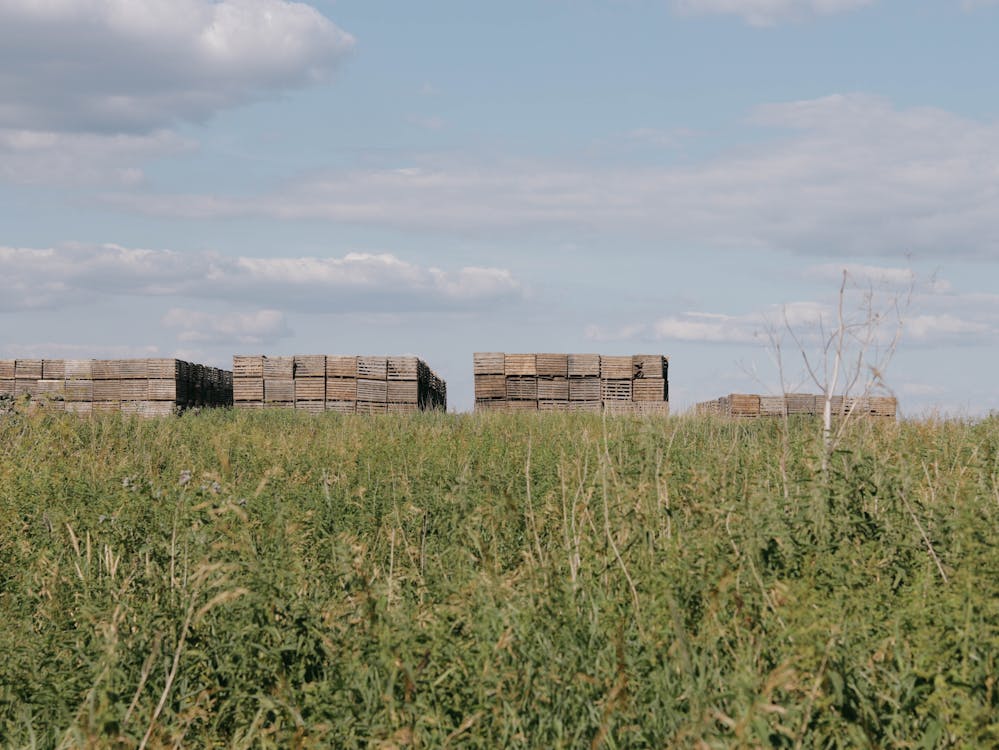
{"points": [[278, 580]]}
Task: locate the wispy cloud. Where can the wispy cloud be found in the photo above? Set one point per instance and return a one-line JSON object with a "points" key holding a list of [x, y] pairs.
{"points": [[58, 277], [200, 327], [768, 12]]}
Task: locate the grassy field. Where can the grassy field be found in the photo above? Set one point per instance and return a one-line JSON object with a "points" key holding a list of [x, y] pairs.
{"points": [[276, 580]]}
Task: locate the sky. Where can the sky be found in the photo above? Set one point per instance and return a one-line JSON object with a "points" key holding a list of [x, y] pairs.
{"points": [[199, 178]]}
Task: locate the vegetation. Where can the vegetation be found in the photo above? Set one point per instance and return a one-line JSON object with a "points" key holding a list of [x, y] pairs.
{"points": [[280, 580]]}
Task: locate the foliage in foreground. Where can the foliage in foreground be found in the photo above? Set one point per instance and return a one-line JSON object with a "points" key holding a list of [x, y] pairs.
{"points": [[273, 580]]}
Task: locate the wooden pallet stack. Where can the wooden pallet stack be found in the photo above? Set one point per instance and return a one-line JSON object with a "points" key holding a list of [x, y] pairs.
{"points": [[751, 406], [148, 387], [345, 384], [571, 382]]}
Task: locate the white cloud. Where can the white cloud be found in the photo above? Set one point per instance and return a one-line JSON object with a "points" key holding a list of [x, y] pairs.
{"points": [[58, 277], [200, 327], [768, 12], [33, 157], [853, 176], [141, 65]]}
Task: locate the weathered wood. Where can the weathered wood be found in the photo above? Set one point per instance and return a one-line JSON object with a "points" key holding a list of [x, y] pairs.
{"points": [[341, 367], [372, 368], [310, 365], [279, 390], [490, 386], [650, 389], [520, 364], [553, 364], [584, 365], [615, 368], [584, 388], [615, 390], [311, 389]]}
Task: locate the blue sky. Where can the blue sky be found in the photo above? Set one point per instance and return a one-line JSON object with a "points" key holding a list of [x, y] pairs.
{"points": [[196, 178]]}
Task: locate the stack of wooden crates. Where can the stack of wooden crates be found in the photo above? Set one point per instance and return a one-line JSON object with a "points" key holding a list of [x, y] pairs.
{"points": [[149, 387], [635, 384], [345, 384], [752, 406]]}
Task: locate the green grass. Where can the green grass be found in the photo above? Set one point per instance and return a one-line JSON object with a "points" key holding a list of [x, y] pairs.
{"points": [[496, 581]]}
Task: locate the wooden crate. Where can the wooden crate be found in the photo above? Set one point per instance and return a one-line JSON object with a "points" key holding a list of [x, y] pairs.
{"points": [[553, 405], [341, 367], [743, 405], [129, 369], [615, 368], [53, 369], [650, 389], [247, 366], [105, 369], [522, 388], [157, 408], [310, 407], [107, 390], [553, 364], [520, 364], [584, 365], [105, 407], [163, 389], [28, 369], [7, 367], [403, 392], [489, 363], [584, 389], [772, 406], [490, 386], [310, 389], [372, 368], [522, 405], [341, 389], [310, 365], [402, 407], [79, 390], [83, 408], [342, 407], [883, 406], [491, 404], [8, 387], [648, 366], [249, 405], [133, 390], [279, 368], [585, 406], [79, 369], [279, 390], [553, 388], [372, 391], [615, 390], [51, 388], [372, 407], [707, 407], [402, 368], [245, 389], [165, 368], [800, 403], [617, 408]]}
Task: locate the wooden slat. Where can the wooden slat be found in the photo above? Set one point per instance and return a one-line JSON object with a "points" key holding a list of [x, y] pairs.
{"points": [[342, 407], [107, 390], [134, 390], [648, 366], [743, 405], [488, 363], [615, 390], [615, 368], [164, 368], [341, 367], [584, 389], [311, 407], [279, 390], [372, 368], [617, 408], [491, 404], [279, 368], [584, 365], [248, 366], [165, 389], [153, 409], [402, 407], [247, 389], [311, 389], [54, 369], [884, 406], [79, 390], [553, 364], [106, 407], [82, 408], [372, 407], [51, 387], [585, 406], [402, 368], [249, 405], [375, 391], [28, 369], [522, 405], [490, 386], [133, 368], [105, 369], [800, 403], [553, 405], [341, 389], [652, 389], [8, 387], [520, 364], [7, 367], [79, 369], [553, 388], [522, 388], [772, 406], [651, 408], [310, 365], [403, 392]]}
